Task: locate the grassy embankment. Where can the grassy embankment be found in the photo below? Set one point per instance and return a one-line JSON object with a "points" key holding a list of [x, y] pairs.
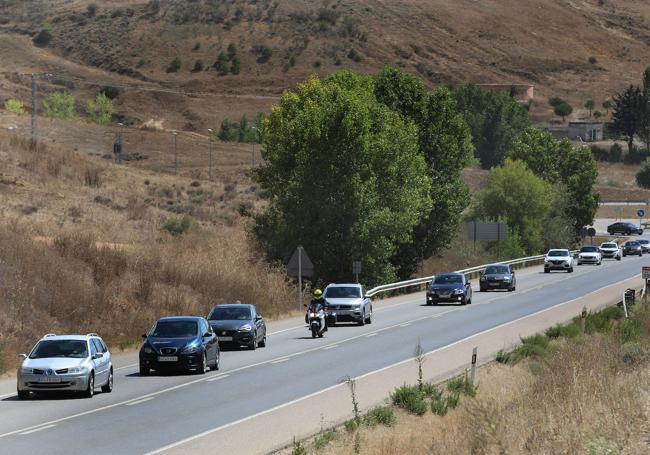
{"points": [[561, 392]]}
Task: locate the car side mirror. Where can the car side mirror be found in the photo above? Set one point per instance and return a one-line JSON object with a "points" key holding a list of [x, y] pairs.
{"points": [[99, 355], [22, 356], [207, 335], [258, 318]]}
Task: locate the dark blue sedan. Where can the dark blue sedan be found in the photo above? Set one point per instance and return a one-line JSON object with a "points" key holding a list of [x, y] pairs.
{"points": [[449, 287], [180, 343]]}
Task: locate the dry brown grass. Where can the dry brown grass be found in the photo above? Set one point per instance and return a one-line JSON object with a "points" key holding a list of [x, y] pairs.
{"points": [[82, 249], [583, 399]]}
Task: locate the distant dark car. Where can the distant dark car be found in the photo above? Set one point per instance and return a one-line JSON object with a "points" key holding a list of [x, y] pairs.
{"points": [[179, 343], [631, 248], [449, 287], [624, 228], [645, 245], [238, 325], [498, 276]]}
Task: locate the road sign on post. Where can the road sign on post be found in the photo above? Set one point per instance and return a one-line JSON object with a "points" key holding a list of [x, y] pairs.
{"points": [[299, 266], [640, 213], [356, 269]]}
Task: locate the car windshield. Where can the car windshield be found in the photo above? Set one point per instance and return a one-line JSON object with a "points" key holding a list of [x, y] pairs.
{"points": [[608, 245], [343, 292], [589, 249], [632, 243], [448, 279], [643, 241], [76, 349], [496, 269], [175, 329], [558, 253], [230, 314]]}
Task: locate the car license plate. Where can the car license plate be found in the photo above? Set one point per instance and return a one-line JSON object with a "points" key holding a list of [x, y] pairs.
{"points": [[49, 380], [167, 358], [445, 294], [225, 338], [495, 284]]}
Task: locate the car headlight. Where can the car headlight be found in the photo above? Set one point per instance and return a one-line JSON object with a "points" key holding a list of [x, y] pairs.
{"points": [[312, 315], [245, 328], [77, 370], [147, 350], [190, 349], [458, 291], [506, 278]]}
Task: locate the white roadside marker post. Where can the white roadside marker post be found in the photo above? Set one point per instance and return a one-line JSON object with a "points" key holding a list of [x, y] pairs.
{"points": [[473, 371]]}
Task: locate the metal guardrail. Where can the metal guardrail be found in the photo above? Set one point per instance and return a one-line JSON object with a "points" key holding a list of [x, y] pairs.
{"points": [[472, 271]]}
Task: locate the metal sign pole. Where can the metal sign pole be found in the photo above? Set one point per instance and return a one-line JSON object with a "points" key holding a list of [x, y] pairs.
{"points": [[299, 278]]}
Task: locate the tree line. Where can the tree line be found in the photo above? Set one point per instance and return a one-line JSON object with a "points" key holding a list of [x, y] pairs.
{"points": [[368, 168]]}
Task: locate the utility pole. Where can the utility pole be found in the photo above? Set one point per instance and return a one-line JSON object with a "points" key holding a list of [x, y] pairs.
{"points": [[210, 154], [175, 154], [254, 128], [34, 109]]}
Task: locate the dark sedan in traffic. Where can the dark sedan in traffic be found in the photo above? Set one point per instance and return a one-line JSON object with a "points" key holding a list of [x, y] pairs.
{"points": [[632, 248], [179, 343], [498, 276], [449, 287], [624, 228], [238, 324]]}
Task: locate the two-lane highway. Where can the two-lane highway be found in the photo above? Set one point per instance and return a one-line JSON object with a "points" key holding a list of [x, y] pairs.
{"points": [[145, 414]]}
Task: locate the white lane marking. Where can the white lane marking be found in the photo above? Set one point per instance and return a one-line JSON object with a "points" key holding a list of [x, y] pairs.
{"points": [[221, 376], [406, 324], [133, 403], [373, 334], [7, 395], [127, 366], [330, 347], [37, 429], [280, 360], [311, 395]]}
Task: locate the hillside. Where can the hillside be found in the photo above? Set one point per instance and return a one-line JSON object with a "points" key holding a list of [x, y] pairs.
{"points": [[131, 43]]}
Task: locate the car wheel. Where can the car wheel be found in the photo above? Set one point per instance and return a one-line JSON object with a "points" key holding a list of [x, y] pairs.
{"points": [[90, 390], [253, 345], [482, 289], [263, 342], [203, 367], [108, 387], [570, 270], [144, 371], [362, 321], [369, 318], [217, 358], [547, 271], [23, 394]]}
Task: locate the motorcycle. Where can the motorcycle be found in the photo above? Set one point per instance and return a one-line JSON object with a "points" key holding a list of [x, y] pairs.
{"points": [[317, 323]]}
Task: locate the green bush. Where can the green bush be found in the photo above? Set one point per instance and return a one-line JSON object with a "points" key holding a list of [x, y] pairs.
{"points": [[630, 330], [14, 106], [174, 65], [235, 65], [643, 176], [571, 330], [43, 37], [177, 225], [323, 439], [198, 66], [354, 55], [222, 65], [263, 53], [602, 321], [351, 425], [439, 407], [593, 60], [562, 110], [91, 10], [101, 109], [502, 356], [297, 448], [381, 415], [452, 400], [60, 105], [533, 346], [462, 385], [409, 398]]}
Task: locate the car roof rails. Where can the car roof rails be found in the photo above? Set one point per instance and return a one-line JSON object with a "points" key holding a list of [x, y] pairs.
{"points": [[50, 335], [92, 334]]}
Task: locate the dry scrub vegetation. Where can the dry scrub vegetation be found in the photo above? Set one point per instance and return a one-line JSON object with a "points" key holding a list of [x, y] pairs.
{"points": [[82, 249], [589, 395]]}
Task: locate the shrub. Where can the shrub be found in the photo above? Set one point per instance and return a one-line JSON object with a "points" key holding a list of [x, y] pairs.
{"points": [[593, 60], [317, 64], [60, 105], [4, 20], [324, 439], [533, 346], [381, 415], [43, 37], [198, 66], [502, 356], [196, 47], [91, 10], [298, 448], [235, 65], [263, 53], [409, 398], [232, 51], [562, 110], [439, 407], [222, 65], [555, 101], [643, 176], [110, 91], [14, 106], [351, 425], [177, 225], [174, 65], [630, 330], [93, 177], [354, 55], [462, 385], [452, 400], [327, 15], [101, 109]]}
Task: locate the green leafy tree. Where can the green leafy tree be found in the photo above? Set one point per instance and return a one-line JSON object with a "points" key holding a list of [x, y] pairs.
{"points": [[514, 193], [598, 115], [560, 162], [344, 177], [445, 141], [232, 51], [198, 66], [607, 105], [627, 114], [235, 65], [222, 65], [101, 109], [228, 131], [559, 230], [495, 120], [590, 105], [563, 110], [44, 37], [60, 105], [643, 176], [645, 110], [14, 106]]}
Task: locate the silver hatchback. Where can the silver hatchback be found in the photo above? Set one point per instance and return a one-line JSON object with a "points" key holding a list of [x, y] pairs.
{"points": [[77, 363]]}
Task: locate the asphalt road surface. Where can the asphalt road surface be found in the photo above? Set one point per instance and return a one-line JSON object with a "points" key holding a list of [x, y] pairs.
{"points": [[145, 414]]}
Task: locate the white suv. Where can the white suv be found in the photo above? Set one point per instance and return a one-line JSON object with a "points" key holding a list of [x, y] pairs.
{"points": [[66, 362], [611, 250], [558, 260]]}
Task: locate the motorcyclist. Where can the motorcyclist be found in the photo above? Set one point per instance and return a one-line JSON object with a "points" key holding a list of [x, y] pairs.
{"points": [[317, 304]]}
